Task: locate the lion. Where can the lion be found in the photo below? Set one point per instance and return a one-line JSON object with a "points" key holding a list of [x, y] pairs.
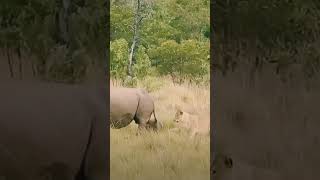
{"points": [[189, 122]]}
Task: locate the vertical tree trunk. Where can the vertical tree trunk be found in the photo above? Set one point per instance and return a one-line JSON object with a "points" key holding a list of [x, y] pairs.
{"points": [[130, 73], [136, 25], [63, 18]]}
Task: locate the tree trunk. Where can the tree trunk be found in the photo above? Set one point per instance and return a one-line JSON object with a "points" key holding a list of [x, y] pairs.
{"points": [[63, 18], [130, 73], [136, 26]]}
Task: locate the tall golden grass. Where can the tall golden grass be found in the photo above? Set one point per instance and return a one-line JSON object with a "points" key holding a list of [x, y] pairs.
{"points": [[164, 155]]}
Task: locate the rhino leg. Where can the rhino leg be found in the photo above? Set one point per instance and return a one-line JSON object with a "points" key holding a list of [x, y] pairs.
{"points": [[96, 160], [142, 126], [142, 120], [144, 111]]}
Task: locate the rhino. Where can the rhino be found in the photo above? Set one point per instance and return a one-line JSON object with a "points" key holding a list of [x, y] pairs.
{"points": [[53, 130], [128, 104]]}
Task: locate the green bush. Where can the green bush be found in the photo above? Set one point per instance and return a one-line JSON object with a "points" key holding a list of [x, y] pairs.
{"points": [[142, 66], [119, 57], [151, 83], [130, 81]]}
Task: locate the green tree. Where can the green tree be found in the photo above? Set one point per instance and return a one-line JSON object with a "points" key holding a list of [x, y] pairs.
{"points": [[182, 61], [172, 40], [142, 68], [119, 57], [37, 30]]}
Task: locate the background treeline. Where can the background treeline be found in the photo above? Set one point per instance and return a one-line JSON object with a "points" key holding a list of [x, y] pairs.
{"points": [[56, 40], [279, 34], [266, 87], [153, 38]]}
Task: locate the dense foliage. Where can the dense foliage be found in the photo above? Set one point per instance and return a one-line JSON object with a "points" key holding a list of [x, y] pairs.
{"points": [[174, 38], [63, 40], [282, 34]]}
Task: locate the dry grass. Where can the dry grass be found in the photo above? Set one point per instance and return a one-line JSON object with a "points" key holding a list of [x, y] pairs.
{"points": [[266, 126], [165, 155]]}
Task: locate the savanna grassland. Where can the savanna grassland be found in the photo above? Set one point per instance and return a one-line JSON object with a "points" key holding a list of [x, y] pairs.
{"points": [[165, 155], [163, 47]]}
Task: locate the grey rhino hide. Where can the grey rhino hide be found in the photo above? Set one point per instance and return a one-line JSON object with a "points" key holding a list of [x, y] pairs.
{"points": [[49, 129], [128, 104]]}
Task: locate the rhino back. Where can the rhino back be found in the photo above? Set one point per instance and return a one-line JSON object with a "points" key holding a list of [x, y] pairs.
{"points": [[124, 104], [38, 120], [146, 105]]}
